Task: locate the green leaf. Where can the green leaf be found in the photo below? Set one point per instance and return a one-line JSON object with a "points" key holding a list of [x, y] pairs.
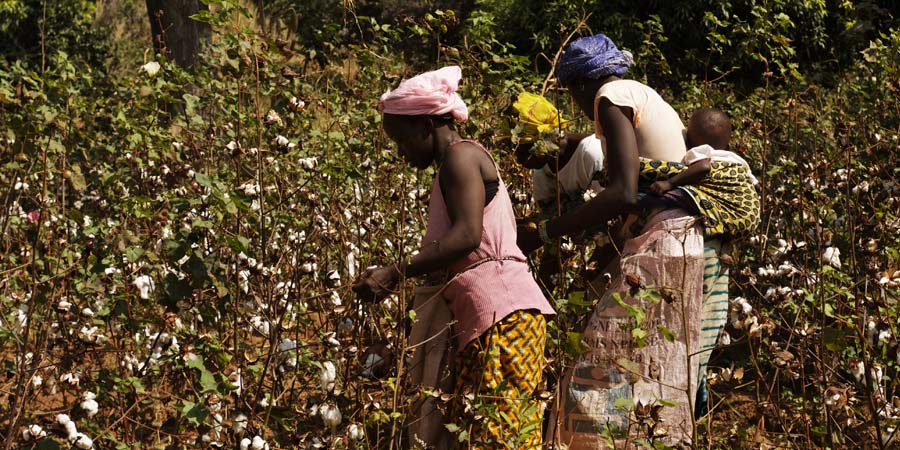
{"points": [[238, 243], [284, 416], [835, 338], [638, 333], [76, 177], [47, 444], [624, 404], [575, 343], [667, 403], [194, 413], [629, 366], [203, 180], [577, 298], [207, 379], [667, 333]]}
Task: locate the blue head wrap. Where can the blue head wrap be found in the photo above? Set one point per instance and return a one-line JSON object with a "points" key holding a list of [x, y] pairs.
{"points": [[592, 57]]}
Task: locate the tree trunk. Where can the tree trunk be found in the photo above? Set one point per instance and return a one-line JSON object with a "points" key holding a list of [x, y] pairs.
{"points": [[174, 33]]}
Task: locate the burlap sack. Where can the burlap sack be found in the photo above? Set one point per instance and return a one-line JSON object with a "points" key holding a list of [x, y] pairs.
{"points": [[668, 255], [429, 339]]}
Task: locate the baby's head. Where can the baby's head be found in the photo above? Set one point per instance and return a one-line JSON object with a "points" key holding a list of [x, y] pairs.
{"points": [[710, 126]]}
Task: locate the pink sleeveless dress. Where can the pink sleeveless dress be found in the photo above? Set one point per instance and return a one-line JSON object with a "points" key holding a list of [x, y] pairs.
{"points": [[493, 280]]}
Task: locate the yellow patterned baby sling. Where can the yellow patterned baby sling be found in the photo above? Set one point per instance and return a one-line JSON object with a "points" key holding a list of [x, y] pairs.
{"points": [[725, 198]]}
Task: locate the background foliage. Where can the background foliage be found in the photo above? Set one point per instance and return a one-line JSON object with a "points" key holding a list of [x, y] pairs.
{"points": [[179, 243]]}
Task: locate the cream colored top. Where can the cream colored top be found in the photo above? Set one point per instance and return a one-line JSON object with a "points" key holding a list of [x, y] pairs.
{"points": [[657, 127]]}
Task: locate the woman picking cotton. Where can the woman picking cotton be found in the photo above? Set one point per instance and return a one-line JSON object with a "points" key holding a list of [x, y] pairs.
{"points": [[645, 331], [470, 240]]}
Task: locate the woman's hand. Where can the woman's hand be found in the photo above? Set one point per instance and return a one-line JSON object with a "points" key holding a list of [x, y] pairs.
{"points": [[661, 187], [376, 284], [528, 238]]}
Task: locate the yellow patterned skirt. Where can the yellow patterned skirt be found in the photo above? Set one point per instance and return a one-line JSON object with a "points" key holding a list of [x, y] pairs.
{"points": [[725, 198], [499, 374]]}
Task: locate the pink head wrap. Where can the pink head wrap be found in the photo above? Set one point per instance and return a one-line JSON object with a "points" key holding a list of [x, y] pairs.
{"points": [[431, 93]]}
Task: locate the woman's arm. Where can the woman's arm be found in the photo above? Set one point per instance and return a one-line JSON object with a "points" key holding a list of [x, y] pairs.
{"points": [[622, 170], [463, 188]]}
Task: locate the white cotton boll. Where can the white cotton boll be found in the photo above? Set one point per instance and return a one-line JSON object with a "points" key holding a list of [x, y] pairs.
{"points": [[88, 334], [238, 382], [336, 299], [258, 444], [858, 371], [260, 325], [287, 344], [746, 308], [245, 444], [239, 424], [352, 265], [83, 442], [296, 103], [331, 415], [89, 404], [877, 374], [725, 339], [70, 378], [87, 312], [884, 336], [244, 280], [783, 248], [66, 422], [333, 276], [37, 381], [331, 340], [871, 330], [832, 257], [308, 163], [151, 68], [282, 141], [355, 432], [327, 375], [145, 286], [33, 432], [63, 305]]}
